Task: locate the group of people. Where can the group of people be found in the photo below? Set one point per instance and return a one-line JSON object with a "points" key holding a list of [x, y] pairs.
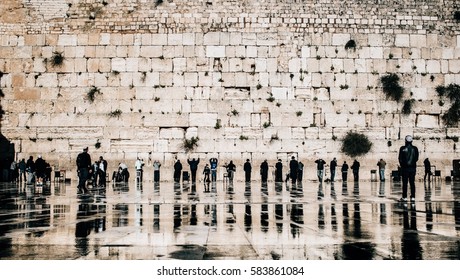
{"points": [[33, 171], [86, 170], [407, 157]]}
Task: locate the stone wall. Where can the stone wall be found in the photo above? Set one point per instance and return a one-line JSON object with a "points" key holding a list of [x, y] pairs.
{"points": [[251, 79]]}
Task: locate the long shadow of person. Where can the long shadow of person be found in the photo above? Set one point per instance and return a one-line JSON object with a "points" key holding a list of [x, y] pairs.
{"points": [[410, 241]]}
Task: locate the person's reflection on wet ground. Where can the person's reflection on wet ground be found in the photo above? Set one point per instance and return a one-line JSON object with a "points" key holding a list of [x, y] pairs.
{"points": [[296, 219], [247, 190], [247, 217], [344, 188], [321, 222], [278, 187], [382, 189], [456, 206], [177, 214], [90, 217], [333, 218], [428, 206], [410, 241], [156, 218], [279, 217], [356, 189], [356, 250], [320, 193], [333, 194]]}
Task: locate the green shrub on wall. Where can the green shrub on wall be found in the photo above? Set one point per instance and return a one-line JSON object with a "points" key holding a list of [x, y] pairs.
{"points": [[355, 144], [452, 116], [391, 87]]}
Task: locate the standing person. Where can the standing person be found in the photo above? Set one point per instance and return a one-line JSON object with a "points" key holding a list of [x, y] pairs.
{"points": [[300, 172], [247, 170], [83, 165], [207, 172], [344, 170], [40, 169], [264, 171], [30, 167], [139, 165], [355, 167], [12, 176], [102, 171], [408, 157], [279, 171], [293, 169], [95, 172], [320, 163], [22, 170], [213, 163], [381, 164], [332, 167], [177, 171], [193, 167], [156, 171], [231, 168], [427, 165]]}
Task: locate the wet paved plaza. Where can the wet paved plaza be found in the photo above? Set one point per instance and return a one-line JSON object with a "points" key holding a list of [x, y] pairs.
{"points": [[230, 221]]}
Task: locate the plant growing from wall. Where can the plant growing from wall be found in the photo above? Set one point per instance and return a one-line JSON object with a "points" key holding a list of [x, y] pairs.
{"points": [[97, 145], [298, 113], [57, 59], [190, 144], [243, 137], [234, 112], [407, 107], [115, 113], [266, 124], [355, 144], [350, 45], [91, 94], [452, 92], [391, 87], [218, 125], [457, 16]]}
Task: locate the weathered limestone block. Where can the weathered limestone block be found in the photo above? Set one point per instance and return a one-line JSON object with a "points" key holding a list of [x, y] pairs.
{"points": [[427, 121], [282, 93], [160, 146], [337, 120], [454, 66], [233, 132], [418, 40], [203, 119], [402, 40], [172, 133], [215, 51]]}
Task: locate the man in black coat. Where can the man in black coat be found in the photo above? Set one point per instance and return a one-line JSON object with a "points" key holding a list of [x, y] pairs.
{"points": [[294, 169], [177, 171], [83, 165], [408, 157], [193, 167], [264, 171], [279, 171], [247, 170]]}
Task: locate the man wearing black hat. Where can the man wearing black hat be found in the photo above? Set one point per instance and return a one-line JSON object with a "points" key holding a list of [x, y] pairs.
{"points": [[408, 156], [83, 165]]}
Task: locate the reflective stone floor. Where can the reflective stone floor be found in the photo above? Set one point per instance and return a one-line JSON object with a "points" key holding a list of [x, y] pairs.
{"points": [[230, 221]]}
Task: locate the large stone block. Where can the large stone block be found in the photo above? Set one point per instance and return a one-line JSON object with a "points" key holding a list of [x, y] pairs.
{"points": [[203, 119], [427, 121]]}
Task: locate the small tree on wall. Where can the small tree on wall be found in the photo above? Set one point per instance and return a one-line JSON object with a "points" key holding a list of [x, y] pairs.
{"points": [[355, 144]]}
